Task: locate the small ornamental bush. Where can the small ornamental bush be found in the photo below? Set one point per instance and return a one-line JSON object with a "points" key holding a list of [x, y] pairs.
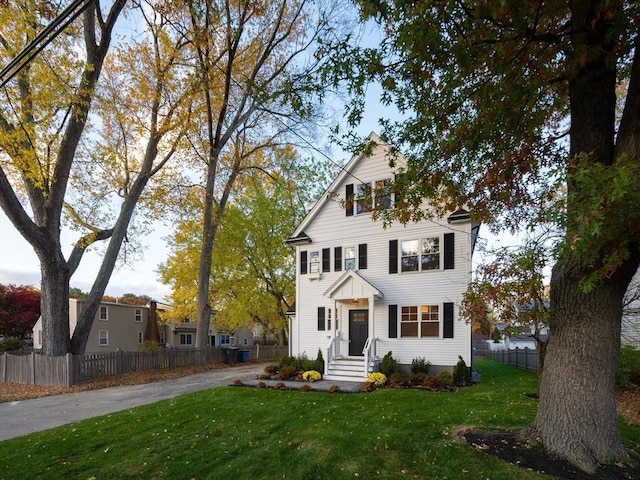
{"points": [[397, 380], [461, 374], [237, 382], [367, 387], [445, 377], [286, 372], [377, 378], [261, 385], [288, 362], [311, 376], [150, 346], [417, 378], [319, 367], [271, 369], [334, 389], [305, 388], [279, 386], [420, 365], [389, 365]]}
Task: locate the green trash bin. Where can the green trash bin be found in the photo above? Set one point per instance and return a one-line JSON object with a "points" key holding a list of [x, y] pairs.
{"points": [[243, 356], [230, 355]]}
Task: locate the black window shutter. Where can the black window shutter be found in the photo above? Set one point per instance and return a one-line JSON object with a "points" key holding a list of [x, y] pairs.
{"points": [[348, 200], [321, 318], [303, 262], [393, 256], [449, 251], [326, 259], [337, 259], [393, 321], [362, 256], [447, 318]]}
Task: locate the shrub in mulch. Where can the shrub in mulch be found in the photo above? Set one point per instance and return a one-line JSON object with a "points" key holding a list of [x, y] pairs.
{"points": [[305, 388], [334, 389], [367, 387], [237, 382], [261, 385], [279, 386]]}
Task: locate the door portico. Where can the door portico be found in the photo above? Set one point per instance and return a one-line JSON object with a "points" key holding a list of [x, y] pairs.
{"points": [[354, 299]]}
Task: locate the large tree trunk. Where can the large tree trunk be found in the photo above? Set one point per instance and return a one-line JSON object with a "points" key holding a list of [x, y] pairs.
{"points": [[54, 304], [577, 417]]}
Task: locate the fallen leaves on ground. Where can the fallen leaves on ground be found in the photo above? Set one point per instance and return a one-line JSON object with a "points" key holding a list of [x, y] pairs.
{"points": [[12, 392]]}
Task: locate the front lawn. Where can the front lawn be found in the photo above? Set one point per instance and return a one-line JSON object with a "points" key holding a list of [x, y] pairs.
{"points": [[246, 433]]}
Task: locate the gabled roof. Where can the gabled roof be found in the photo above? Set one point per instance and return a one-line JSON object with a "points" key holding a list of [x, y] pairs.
{"points": [[352, 285], [330, 193]]}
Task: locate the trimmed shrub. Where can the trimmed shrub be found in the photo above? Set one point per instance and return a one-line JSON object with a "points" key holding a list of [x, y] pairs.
{"points": [[279, 386], [271, 369], [334, 389], [305, 388], [389, 365], [420, 365], [150, 346], [319, 367], [288, 361], [261, 385], [461, 374]]}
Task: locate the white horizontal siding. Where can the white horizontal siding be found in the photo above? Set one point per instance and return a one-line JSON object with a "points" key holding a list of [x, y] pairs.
{"points": [[330, 228]]}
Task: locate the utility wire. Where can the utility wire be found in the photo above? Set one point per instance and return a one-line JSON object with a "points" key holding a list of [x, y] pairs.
{"points": [[44, 38]]}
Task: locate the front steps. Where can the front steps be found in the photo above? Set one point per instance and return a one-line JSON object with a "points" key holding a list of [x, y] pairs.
{"points": [[347, 369]]}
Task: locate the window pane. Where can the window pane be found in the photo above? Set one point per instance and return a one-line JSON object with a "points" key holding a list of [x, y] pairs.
{"points": [[430, 261], [314, 262], [383, 195], [409, 329], [410, 248], [431, 245], [430, 329], [363, 198], [350, 258]]}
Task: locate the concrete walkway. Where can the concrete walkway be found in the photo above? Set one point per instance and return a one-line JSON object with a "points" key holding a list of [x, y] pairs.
{"points": [[28, 416]]}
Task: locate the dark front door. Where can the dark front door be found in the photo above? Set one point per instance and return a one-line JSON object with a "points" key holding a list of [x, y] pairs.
{"points": [[358, 331]]}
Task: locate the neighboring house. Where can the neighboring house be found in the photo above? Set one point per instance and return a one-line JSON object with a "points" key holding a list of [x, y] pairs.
{"points": [[119, 326], [183, 335], [363, 289], [116, 326]]}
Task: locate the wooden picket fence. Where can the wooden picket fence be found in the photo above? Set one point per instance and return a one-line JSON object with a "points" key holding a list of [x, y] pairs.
{"points": [[64, 371]]}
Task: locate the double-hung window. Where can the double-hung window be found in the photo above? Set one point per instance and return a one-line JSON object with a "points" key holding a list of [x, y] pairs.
{"points": [[186, 339], [314, 262], [138, 315], [103, 338], [349, 258], [423, 254], [422, 322], [104, 313]]}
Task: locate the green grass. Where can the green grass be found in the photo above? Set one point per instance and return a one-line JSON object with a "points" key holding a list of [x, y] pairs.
{"points": [[245, 433]]}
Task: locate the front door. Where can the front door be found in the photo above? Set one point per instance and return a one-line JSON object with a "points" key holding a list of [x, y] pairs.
{"points": [[358, 331]]}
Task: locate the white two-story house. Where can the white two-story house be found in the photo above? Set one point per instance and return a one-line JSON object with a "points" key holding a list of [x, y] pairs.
{"points": [[363, 289]]}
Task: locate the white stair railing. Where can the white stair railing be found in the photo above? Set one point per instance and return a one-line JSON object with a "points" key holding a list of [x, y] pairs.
{"points": [[332, 351], [369, 352]]}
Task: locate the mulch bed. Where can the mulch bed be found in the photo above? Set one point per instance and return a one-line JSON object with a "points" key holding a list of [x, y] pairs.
{"points": [[508, 447]]}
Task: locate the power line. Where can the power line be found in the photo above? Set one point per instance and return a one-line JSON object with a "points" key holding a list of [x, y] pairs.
{"points": [[44, 38]]}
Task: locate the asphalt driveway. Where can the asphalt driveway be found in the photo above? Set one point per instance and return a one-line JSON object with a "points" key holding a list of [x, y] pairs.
{"points": [[28, 416]]}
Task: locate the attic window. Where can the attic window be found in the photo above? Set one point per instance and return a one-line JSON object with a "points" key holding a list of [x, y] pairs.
{"points": [[363, 198], [383, 194]]}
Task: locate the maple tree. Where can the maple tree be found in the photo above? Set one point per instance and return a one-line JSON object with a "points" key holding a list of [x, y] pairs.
{"points": [[82, 150], [19, 310], [502, 105]]}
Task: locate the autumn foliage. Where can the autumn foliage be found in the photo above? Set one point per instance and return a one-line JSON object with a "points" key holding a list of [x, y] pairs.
{"points": [[19, 310]]}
